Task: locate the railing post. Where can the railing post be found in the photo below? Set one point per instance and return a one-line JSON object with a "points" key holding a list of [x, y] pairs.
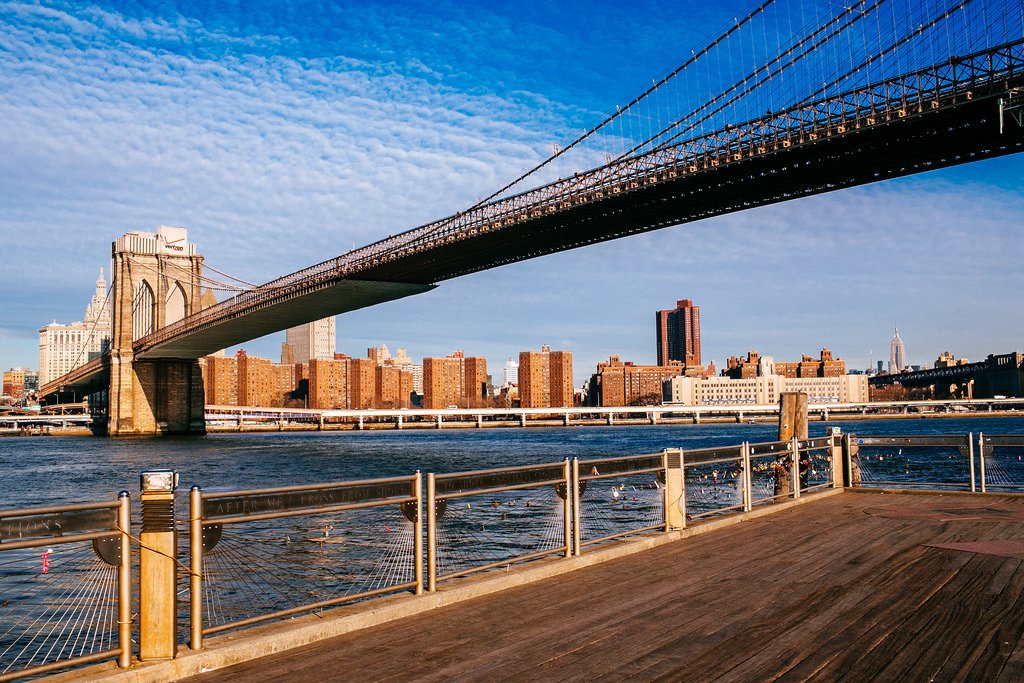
{"points": [[746, 479], [195, 582], [794, 464], [417, 530], [675, 489], [664, 497], [848, 461], [431, 533], [577, 536], [970, 455], [124, 581], [157, 568], [567, 507], [981, 459], [836, 451]]}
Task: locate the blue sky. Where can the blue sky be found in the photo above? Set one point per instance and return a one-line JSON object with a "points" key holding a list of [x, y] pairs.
{"points": [[282, 134]]}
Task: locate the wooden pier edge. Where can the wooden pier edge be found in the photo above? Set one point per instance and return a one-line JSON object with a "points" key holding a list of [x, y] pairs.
{"points": [[249, 644]]}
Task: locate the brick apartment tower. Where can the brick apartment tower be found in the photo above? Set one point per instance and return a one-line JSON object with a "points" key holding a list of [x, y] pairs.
{"points": [[679, 334], [455, 380], [545, 378]]}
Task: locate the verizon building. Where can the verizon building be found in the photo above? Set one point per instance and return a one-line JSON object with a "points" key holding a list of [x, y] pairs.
{"points": [[679, 334]]}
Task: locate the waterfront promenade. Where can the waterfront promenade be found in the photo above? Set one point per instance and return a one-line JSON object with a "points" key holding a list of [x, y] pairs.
{"points": [[855, 586]]}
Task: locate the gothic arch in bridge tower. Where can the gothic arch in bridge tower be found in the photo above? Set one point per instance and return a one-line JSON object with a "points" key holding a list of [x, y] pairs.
{"points": [[157, 281], [174, 309], [143, 311]]}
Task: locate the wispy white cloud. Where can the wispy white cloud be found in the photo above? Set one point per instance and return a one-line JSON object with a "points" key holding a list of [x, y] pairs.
{"points": [[278, 149]]}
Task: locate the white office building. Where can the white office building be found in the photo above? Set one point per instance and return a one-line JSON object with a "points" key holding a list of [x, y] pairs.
{"points": [[764, 390], [510, 374], [312, 340], [62, 348]]}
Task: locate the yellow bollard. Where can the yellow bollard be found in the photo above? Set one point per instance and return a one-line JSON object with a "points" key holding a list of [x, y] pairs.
{"points": [[157, 569]]}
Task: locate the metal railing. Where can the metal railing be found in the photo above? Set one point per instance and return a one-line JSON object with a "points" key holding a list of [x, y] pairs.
{"points": [[494, 518], [633, 502], [342, 542], [1001, 461], [734, 478], [716, 480], [264, 554], [943, 461], [71, 603]]}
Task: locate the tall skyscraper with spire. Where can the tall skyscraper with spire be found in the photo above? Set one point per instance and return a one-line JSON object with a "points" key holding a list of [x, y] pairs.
{"points": [[897, 353]]}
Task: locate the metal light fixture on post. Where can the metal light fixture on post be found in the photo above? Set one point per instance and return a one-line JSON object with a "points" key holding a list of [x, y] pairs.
{"points": [[157, 567]]}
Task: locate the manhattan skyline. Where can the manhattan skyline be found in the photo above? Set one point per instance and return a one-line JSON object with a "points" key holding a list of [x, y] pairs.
{"points": [[282, 138]]}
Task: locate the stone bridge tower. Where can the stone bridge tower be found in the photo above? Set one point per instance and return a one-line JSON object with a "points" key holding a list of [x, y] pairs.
{"points": [[156, 282]]}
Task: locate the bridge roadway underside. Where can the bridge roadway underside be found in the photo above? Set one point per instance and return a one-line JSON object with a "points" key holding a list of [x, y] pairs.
{"points": [[853, 587], [900, 147], [340, 297]]}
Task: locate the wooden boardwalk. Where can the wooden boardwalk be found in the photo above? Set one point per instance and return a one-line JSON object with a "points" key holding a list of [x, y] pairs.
{"points": [[852, 587]]}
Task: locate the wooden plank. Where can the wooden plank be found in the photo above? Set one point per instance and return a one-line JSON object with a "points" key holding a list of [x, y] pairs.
{"points": [[853, 594]]}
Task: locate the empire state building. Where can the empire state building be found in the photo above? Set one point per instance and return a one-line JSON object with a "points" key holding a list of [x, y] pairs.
{"points": [[897, 353]]}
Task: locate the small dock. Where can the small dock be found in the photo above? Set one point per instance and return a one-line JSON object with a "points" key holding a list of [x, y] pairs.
{"points": [[857, 586]]}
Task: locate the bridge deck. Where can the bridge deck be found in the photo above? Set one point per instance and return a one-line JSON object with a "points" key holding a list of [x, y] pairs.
{"points": [[851, 587]]}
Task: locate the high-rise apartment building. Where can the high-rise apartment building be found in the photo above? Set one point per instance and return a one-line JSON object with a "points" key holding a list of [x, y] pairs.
{"points": [[357, 384], [362, 382], [306, 342], [62, 348], [897, 353], [454, 380], [545, 378], [220, 380], [678, 334], [393, 387], [328, 383]]}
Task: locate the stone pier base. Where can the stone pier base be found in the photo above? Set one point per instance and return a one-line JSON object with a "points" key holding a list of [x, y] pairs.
{"points": [[149, 398]]}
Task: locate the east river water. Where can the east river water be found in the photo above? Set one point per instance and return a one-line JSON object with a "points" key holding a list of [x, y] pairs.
{"points": [[59, 470]]}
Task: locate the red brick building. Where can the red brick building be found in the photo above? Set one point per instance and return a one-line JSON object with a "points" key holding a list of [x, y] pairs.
{"points": [[545, 379], [618, 383], [678, 334]]}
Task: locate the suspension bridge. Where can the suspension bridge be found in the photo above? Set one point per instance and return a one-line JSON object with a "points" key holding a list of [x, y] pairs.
{"points": [[793, 99]]}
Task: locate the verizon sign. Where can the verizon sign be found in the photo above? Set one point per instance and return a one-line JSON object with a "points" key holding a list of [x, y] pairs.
{"points": [[172, 240]]}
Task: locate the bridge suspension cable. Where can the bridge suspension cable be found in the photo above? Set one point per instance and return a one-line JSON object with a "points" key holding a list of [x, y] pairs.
{"points": [[745, 94]]}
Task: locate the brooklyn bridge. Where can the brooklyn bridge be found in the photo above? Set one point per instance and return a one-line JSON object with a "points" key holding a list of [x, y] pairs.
{"points": [[858, 94]]}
